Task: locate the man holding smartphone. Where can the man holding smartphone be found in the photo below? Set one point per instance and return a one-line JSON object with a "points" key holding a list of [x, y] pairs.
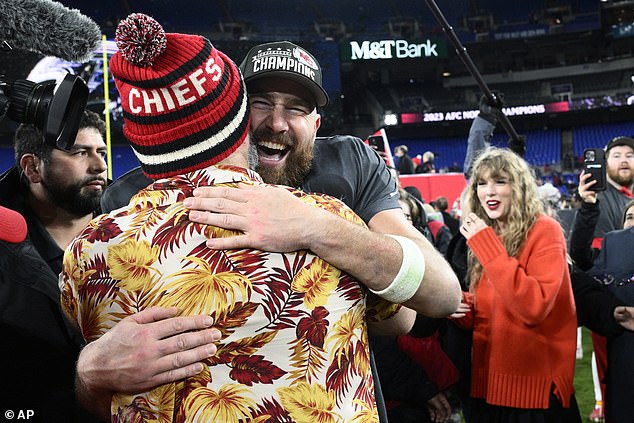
{"points": [[594, 165], [610, 203], [619, 190]]}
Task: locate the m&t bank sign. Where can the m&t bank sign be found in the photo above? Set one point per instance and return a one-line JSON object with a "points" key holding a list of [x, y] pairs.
{"points": [[393, 49]]}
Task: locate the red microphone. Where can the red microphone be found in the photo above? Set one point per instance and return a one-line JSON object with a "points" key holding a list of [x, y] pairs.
{"points": [[12, 226]]}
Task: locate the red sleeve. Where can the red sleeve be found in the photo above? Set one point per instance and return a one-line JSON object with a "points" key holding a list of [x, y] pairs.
{"points": [[466, 322], [527, 285]]}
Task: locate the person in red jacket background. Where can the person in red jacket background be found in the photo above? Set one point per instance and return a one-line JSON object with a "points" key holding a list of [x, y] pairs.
{"points": [[520, 302]]}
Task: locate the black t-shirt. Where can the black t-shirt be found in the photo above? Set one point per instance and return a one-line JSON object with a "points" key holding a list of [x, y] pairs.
{"points": [[612, 205], [345, 168], [342, 167]]}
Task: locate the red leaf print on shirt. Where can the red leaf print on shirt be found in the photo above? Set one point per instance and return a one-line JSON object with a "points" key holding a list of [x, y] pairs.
{"points": [[314, 328], [254, 369], [106, 230]]}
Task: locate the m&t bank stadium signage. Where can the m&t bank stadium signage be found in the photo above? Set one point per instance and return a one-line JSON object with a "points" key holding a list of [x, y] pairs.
{"points": [[393, 49]]}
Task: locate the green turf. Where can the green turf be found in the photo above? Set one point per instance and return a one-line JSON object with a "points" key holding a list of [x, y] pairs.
{"points": [[584, 390]]}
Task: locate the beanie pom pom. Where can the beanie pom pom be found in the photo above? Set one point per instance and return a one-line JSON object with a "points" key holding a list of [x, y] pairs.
{"points": [[140, 39]]}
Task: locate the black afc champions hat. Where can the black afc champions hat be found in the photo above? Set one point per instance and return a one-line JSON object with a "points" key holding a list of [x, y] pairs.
{"points": [[284, 59]]}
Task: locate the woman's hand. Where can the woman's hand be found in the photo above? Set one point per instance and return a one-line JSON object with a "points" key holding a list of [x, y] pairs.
{"points": [[461, 312], [472, 225]]}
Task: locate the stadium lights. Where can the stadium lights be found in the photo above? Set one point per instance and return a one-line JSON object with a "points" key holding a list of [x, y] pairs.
{"points": [[390, 119]]}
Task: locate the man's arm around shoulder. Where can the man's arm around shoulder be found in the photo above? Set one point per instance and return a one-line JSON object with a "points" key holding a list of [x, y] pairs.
{"points": [[370, 256], [142, 351]]}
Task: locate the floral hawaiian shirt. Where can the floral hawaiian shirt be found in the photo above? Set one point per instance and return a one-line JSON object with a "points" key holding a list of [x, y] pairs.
{"points": [[294, 344]]}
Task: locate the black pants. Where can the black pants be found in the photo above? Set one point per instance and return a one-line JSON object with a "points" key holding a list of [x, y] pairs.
{"points": [[555, 413]]}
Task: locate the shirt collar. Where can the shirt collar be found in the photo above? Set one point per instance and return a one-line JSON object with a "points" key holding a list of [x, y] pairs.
{"points": [[176, 188], [626, 191]]}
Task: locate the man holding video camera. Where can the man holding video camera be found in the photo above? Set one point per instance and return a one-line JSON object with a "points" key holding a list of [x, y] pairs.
{"points": [[57, 193]]}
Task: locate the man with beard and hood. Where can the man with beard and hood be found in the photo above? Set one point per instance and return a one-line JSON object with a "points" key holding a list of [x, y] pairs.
{"points": [[56, 194]]}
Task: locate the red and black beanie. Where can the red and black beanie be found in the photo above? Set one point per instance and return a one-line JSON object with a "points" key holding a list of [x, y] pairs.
{"points": [[184, 102]]}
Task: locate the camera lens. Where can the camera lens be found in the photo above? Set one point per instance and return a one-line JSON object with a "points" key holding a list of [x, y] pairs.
{"points": [[56, 112], [30, 101]]}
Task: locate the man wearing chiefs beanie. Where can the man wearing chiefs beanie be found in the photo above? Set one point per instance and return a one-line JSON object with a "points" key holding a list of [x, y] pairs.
{"points": [[294, 340], [184, 102]]}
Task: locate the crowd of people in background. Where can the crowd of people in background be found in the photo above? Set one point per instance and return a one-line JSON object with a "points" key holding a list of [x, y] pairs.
{"points": [[272, 275], [585, 218]]}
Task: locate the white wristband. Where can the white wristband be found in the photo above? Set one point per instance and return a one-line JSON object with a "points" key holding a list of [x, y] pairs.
{"points": [[409, 276]]}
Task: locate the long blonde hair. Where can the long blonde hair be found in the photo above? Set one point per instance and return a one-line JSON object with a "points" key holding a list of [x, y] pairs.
{"points": [[525, 207]]}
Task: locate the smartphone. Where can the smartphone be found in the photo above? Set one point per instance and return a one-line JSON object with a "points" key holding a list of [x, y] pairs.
{"points": [[594, 164], [376, 142]]}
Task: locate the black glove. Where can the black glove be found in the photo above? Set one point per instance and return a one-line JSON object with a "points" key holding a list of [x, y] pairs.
{"points": [[518, 145], [491, 109]]}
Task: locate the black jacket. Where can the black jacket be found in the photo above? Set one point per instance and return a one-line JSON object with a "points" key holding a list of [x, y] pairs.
{"points": [[614, 267], [611, 203], [39, 347], [595, 303], [582, 234], [402, 379], [452, 223], [405, 165]]}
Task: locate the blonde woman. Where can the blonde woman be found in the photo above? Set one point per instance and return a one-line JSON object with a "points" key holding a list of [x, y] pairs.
{"points": [[520, 305]]}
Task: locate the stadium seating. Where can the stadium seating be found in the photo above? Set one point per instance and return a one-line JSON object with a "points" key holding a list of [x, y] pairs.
{"points": [[597, 136], [542, 148]]}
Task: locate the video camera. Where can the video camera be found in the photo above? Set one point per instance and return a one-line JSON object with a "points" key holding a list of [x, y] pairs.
{"points": [[55, 109]]}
